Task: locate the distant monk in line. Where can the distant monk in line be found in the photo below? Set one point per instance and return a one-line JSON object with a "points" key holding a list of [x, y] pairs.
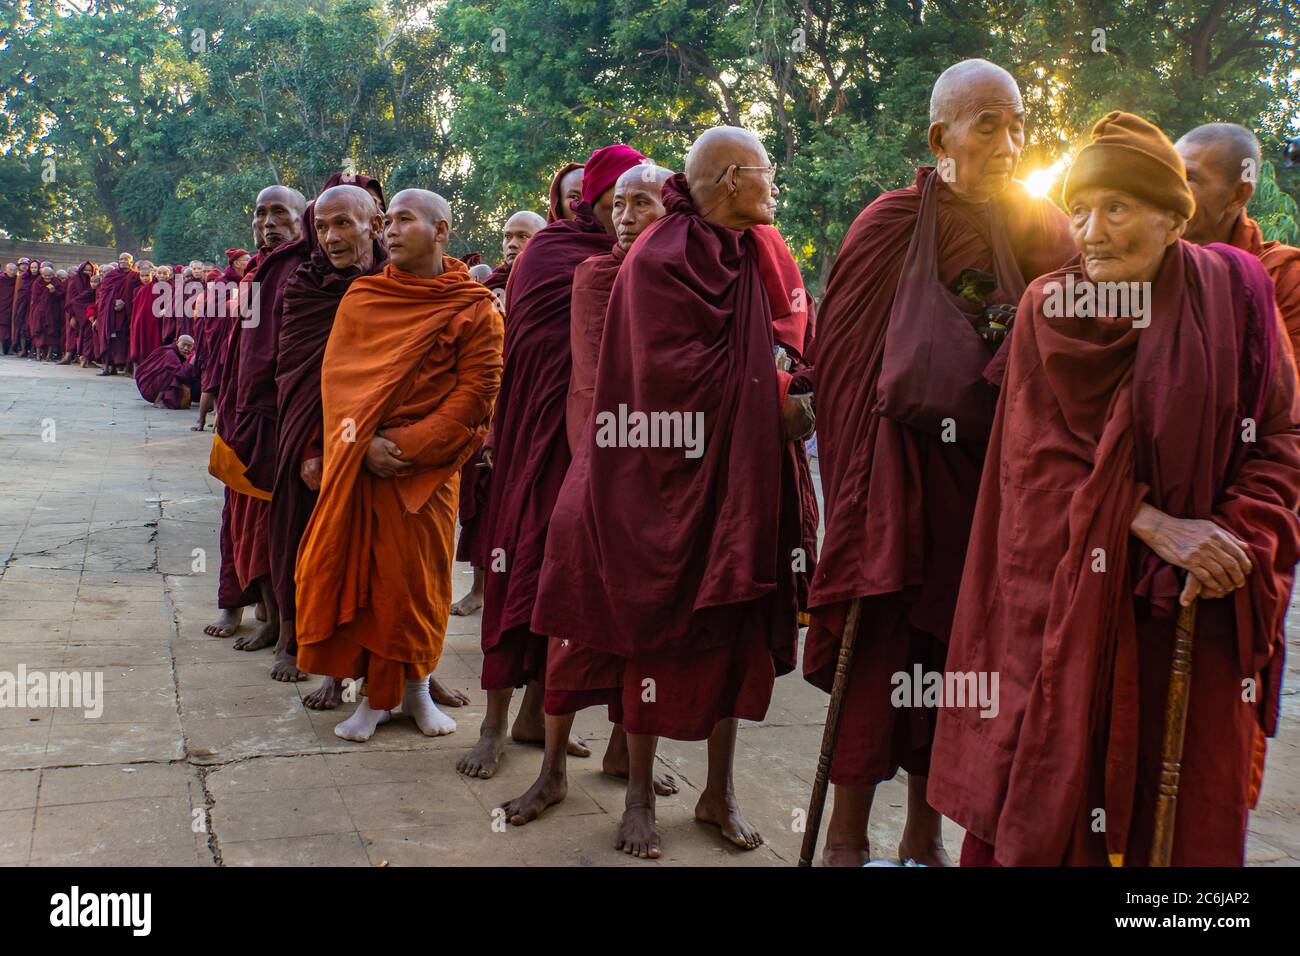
{"points": [[8, 282], [565, 193], [146, 327], [1223, 160], [214, 332], [679, 555], [115, 339], [900, 488], [578, 677], [78, 297], [528, 456], [519, 228], [86, 348], [410, 373], [23, 282], [243, 448], [1141, 459], [167, 377], [47, 316]]}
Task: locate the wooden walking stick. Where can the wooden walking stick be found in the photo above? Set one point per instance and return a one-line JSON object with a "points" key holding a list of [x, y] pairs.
{"points": [[1171, 750], [830, 733]]}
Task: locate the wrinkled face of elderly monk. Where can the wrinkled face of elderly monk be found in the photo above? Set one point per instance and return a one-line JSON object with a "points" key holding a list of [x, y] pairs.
{"points": [[1120, 237], [977, 128]]}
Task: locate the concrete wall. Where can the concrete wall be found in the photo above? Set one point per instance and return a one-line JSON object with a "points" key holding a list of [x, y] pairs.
{"points": [[63, 255]]}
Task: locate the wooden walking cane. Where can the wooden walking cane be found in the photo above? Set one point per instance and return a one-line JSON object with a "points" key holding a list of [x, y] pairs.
{"points": [[830, 733], [1171, 750]]}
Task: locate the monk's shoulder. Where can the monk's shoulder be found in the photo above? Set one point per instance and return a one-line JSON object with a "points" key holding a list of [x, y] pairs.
{"points": [[596, 272], [1282, 262]]}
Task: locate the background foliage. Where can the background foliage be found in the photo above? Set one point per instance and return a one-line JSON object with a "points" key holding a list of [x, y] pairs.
{"points": [[163, 119]]}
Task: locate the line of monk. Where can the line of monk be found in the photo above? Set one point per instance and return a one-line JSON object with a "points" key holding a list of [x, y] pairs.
{"points": [[1018, 498]]}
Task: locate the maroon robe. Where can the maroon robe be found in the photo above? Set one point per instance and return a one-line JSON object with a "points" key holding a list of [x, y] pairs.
{"points": [[7, 284], [22, 295], [164, 374], [1097, 417], [35, 310], [311, 298], [78, 297], [682, 565], [117, 322], [146, 326], [898, 501], [527, 439], [214, 329]]}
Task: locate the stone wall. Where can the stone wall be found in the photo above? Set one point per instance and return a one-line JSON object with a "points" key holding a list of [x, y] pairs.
{"points": [[63, 255]]}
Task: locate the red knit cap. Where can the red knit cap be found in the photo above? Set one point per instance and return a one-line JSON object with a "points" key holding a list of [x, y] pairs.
{"points": [[604, 167]]}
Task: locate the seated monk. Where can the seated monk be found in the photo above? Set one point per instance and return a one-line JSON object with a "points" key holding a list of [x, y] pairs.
{"points": [[899, 493], [1142, 459], [167, 377], [675, 550], [519, 228], [528, 455], [410, 373], [1222, 161], [577, 676]]}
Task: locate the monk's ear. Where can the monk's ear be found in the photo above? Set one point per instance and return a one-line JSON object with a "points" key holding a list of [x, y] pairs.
{"points": [[1241, 194], [936, 139], [1177, 226]]}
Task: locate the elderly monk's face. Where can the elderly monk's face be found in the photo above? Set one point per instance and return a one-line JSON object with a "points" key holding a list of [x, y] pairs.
{"points": [[754, 202], [344, 230], [277, 217], [241, 264], [570, 193], [11, 269], [636, 205], [983, 137], [1221, 193], [47, 272], [1120, 237], [413, 234], [185, 345], [518, 230], [124, 260]]}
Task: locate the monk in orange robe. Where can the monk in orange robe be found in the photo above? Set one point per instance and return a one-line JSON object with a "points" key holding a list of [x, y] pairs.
{"points": [[1145, 455], [900, 492], [408, 381], [1222, 161]]}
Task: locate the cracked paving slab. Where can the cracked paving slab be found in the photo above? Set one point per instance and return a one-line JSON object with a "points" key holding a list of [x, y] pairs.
{"points": [[108, 562]]}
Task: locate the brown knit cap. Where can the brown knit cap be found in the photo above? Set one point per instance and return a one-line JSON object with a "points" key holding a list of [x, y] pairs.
{"points": [[1132, 155]]}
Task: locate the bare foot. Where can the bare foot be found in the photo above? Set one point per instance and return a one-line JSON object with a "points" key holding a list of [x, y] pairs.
{"points": [[615, 765], [925, 852], [264, 636], [445, 696], [202, 426], [546, 791], [524, 731], [467, 605], [637, 835], [226, 624], [481, 761], [845, 855], [325, 697], [285, 667], [724, 813]]}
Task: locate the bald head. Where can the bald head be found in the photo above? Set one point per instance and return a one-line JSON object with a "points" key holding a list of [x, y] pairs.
{"points": [[185, 345], [638, 201], [1222, 162], [480, 272], [730, 179], [277, 216], [347, 221], [519, 228], [977, 128], [416, 231]]}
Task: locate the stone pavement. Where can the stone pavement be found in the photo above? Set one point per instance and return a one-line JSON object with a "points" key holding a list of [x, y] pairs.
{"points": [[98, 535]]}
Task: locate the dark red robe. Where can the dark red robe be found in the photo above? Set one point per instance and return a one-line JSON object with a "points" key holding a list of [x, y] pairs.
{"points": [[165, 374], [78, 298], [529, 449], [1096, 417], [898, 501], [146, 325], [22, 295], [311, 298], [682, 565], [7, 284], [118, 330]]}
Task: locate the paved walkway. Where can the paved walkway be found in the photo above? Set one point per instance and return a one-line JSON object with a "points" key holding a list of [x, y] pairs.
{"points": [[200, 758]]}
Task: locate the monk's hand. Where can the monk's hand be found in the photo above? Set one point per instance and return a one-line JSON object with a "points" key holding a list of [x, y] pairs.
{"points": [[384, 458], [311, 471], [797, 418], [1216, 560], [118, 303], [486, 461]]}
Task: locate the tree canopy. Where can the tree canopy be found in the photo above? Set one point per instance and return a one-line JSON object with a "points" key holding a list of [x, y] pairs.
{"points": [[150, 123]]}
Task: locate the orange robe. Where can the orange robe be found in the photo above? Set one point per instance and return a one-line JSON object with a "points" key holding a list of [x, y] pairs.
{"points": [[417, 361], [1282, 262]]}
